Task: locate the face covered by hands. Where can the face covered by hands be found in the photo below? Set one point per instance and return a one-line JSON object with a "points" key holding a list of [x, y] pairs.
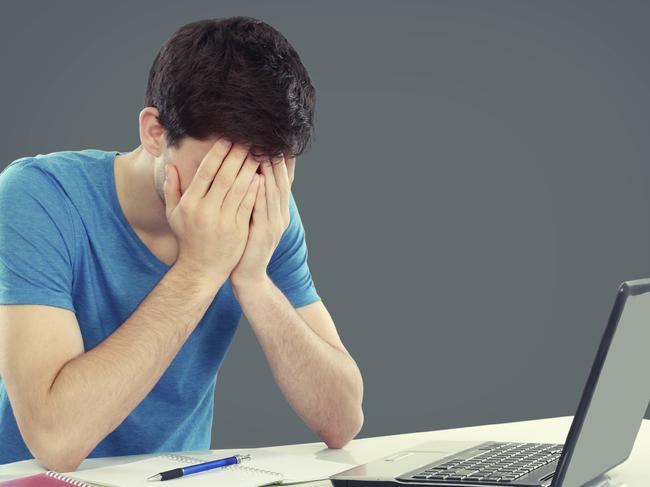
{"points": [[269, 220]]}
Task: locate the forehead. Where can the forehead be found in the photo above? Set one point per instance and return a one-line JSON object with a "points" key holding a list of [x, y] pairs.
{"points": [[192, 147]]}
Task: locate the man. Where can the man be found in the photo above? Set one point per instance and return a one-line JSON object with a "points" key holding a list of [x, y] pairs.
{"points": [[123, 276]]}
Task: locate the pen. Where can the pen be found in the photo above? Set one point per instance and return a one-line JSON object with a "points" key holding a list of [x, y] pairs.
{"points": [[199, 467]]}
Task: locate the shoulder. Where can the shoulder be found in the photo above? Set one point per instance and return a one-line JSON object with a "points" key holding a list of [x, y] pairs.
{"points": [[59, 162], [65, 172], [46, 183]]}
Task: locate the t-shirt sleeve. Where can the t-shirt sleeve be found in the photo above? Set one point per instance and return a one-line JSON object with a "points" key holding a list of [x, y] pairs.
{"points": [[288, 268], [36, 239]]}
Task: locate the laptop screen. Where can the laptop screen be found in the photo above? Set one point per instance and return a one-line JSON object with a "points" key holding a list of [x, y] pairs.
{"points": [[616, 395]]}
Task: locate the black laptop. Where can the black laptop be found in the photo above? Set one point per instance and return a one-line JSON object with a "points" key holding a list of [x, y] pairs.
{"points": [[601, 436]]}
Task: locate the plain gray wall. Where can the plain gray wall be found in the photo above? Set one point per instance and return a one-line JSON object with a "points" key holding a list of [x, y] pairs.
{"points": [[477, 188]]}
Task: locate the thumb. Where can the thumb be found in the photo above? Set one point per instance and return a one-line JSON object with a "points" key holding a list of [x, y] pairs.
{"points": [[171, 188]]}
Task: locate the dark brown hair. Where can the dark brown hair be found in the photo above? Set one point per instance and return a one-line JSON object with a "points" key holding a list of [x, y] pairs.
{"points": [[237, 77]]}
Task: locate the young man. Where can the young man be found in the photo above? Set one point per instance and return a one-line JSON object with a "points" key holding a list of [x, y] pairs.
{"points": [[121, 288]]}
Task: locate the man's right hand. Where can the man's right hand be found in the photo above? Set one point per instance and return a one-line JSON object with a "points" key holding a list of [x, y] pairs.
{"points": [[211, 219]]}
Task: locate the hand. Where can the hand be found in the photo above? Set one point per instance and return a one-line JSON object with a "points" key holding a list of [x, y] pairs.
{"points": [[270, 220], [211, 220]]}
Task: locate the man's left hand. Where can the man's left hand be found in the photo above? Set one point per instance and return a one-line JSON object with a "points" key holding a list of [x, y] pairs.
{"points": [[269, 220]]}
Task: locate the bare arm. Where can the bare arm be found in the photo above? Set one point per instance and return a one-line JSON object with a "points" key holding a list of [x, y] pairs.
{"points": [[66, 402], [314, 371]]}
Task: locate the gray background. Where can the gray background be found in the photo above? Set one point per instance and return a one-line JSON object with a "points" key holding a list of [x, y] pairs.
{"points": [[477, 188]]}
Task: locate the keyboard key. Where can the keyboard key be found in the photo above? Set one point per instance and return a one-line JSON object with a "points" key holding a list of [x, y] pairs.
{"points": [[492, 477], [465, 472]]}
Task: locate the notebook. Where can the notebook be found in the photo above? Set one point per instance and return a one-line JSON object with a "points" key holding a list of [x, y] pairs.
{"points": [[46, 479], [263, 468]]}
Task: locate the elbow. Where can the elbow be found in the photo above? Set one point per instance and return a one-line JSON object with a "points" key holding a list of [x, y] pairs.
{"points": [[54, 450], [56, 453], [59, 461], [338, 438], [337, 442]]}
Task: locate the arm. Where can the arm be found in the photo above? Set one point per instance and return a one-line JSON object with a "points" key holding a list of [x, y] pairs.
{"points": [[67, 401], [315, 372]]}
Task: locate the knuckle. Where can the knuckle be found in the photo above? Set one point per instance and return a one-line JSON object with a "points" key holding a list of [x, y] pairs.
{"points": [[225, 225], [237, 192], [247, 204], [204, 173], [223, 183], [184, 206], [201, 214], [240, 190], [201, 219]]}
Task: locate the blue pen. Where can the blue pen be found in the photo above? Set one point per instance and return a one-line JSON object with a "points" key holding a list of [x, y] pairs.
{"points": [[199, 467]]}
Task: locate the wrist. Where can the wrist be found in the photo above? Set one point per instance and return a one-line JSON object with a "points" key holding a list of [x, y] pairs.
{"points": [[251, 284], [197, 280]]}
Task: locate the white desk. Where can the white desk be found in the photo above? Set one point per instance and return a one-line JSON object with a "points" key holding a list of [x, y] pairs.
{"points": [[635, 472]]}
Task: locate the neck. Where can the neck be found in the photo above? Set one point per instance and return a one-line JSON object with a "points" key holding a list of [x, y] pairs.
{"points": [[136, 191]]}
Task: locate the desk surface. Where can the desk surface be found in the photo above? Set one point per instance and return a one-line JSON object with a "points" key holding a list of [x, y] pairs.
{"points": [[635, 472]]}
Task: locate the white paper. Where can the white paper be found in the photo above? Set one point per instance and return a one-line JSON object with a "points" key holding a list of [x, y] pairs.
{"points": [[292, 468]]}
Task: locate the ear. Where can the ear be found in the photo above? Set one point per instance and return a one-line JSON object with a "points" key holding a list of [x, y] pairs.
{"points": [[152, 134]]}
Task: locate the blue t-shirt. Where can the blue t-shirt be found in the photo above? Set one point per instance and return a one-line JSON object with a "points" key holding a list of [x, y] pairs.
{"points": [[65, 242]]}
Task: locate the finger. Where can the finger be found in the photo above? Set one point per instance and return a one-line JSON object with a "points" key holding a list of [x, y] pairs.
{"points": [[261, 209], [239, 188], [227, 174], [272, 194], [291, 168], [171, 189], [247, 204], [208, 168], [282, 181]]}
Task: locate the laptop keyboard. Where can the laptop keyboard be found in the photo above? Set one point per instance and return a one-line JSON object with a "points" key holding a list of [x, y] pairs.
{"points": [[493, 463]]}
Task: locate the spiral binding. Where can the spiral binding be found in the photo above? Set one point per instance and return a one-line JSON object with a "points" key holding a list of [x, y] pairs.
{"points": [[257, 470], [60, 476], [234, 466], [182, 458]]}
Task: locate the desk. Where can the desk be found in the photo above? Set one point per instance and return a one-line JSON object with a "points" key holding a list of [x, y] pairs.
{"points": [[635, 472]]}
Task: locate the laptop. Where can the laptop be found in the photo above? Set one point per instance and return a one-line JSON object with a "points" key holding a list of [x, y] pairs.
{"points": [[601, 435]]}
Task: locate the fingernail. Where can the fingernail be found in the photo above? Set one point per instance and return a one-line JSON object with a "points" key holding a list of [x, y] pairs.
{"points": [[166, 171], [225, 143]]}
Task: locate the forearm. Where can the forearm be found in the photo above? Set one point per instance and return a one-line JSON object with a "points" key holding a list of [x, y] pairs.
{"points": [[94, 392], [321, 382]]}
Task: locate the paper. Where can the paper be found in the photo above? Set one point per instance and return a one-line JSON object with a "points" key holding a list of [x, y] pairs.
{"points": [[298, 468], [273, 468]]}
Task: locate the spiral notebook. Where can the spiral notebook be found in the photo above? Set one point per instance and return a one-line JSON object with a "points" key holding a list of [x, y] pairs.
{"points": [[264, 468], [46, 479]]}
